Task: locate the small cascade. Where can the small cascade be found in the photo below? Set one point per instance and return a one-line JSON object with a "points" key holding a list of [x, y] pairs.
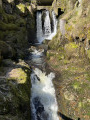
{"points": [[43, 99], [47, 25], [39, 27], [46, 32], [44, 105]]}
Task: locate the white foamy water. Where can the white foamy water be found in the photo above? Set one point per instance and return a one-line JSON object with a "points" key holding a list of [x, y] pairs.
{"points": [[47, 33], [39, 27], [54, 26], [47, 25], [36, 56], [43, 91]]}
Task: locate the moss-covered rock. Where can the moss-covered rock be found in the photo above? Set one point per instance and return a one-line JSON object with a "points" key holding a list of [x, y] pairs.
{"points": [[15, 101], [21, 7]]}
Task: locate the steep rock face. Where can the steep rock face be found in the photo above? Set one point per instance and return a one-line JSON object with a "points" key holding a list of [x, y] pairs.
{"points": [[76, 14], [15, 25]]}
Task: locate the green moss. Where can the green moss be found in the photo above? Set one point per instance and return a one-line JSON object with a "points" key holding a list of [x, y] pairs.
{"points": [[4, 26], [76, 85], [21, 7], [55, 42], [49, 54], [20, 22], [85, 106], [60, 56], [66, 61], [72, 50], [68, 27], [19, 75], [88, 76]]}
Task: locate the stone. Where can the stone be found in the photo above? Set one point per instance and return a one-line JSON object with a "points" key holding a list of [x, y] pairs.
{"points": [[15, 92]]}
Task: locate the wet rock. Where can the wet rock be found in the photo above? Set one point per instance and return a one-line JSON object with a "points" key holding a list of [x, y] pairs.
{"points": [[39, 107]]}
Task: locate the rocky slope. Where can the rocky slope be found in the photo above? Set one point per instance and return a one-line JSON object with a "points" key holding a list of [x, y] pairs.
{"points": [[70, 53]]}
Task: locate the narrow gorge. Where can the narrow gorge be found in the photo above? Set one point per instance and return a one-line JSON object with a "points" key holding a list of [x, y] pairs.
{"points": [[44, 60]]}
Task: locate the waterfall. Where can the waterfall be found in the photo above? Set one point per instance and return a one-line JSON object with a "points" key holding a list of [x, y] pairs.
{"points": [[46, 32], [47, 25], [54, 22], [54, 26], [39, 27]]}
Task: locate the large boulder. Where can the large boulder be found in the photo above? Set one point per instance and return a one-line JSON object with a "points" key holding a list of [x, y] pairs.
{"points": [[15, 91]]}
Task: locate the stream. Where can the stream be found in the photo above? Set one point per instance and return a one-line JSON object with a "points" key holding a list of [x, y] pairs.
{"points": [[43, 99]]}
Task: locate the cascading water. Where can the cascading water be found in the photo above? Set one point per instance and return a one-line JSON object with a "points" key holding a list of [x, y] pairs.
{"points": [[47, 33], [39, 27], [47, 25], [43, 99], [54, 26]]}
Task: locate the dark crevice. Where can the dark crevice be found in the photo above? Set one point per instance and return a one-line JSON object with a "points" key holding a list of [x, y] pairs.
{"points": [[44, 2], [60, 12], [65, 117]]}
